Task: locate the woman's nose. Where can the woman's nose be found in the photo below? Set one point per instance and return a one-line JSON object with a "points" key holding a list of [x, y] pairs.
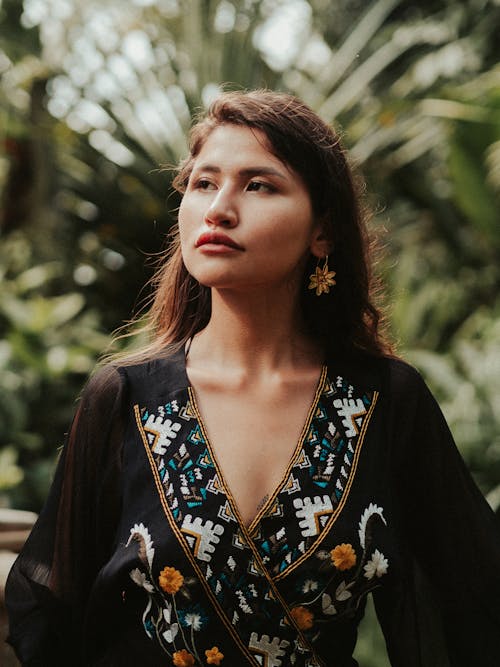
{"points": [[222, 210]]}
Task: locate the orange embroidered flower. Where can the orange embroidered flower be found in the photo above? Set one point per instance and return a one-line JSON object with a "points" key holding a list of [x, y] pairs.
{"points": [[183, 658], [343, 556], [214, 656], [302, 617], [170, 581]]}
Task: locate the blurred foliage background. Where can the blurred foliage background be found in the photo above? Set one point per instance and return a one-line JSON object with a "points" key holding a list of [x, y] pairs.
{"points": [[96, 95]]}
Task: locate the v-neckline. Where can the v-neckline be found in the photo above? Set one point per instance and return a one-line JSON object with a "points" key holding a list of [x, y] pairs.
{"points": [[251, 528]]}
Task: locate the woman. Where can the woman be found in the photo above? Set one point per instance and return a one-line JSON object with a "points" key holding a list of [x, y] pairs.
{"points": [[231, 494]]}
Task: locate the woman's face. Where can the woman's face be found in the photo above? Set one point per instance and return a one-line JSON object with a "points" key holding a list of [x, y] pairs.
{"points": [[246, 219]]}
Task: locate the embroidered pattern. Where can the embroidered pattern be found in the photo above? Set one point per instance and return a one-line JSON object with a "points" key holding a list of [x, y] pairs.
{"points": [[268, 651], [202, 536], [163, 618], [327, 461], [286, 535], [313, 514], [338, 580]]}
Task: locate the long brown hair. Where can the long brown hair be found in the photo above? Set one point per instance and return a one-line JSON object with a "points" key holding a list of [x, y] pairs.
{"points": [[346, 319]]}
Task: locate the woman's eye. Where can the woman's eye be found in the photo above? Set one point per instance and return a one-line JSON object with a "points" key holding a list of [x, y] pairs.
{"points": [[204, 184], [258, 186]]}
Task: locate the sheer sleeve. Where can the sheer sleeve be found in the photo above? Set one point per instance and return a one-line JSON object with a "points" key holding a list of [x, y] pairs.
{"points": [[49, 584], [451, 538]]}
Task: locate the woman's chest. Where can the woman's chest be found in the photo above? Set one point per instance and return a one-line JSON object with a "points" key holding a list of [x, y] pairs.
{"points": [[300, 571], [254, 434]]}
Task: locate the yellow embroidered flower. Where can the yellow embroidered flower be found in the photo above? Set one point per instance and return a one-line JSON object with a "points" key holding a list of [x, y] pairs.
{"points": [[302, 617], [343, 556], [214, 656], [321, 281], [183, 658], [170, 580]]}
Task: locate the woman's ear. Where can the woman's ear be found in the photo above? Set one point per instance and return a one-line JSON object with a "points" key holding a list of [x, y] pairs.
{"points": [[320, 245]]}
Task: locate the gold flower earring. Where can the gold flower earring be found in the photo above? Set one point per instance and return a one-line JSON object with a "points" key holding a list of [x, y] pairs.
{"points": [[322, 278]]}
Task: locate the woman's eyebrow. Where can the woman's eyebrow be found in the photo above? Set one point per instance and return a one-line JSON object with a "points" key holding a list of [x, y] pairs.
{"points": [[247, 171]]}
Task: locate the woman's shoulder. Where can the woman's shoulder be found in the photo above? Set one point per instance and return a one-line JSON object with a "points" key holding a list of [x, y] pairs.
{"points": [[385, 374], [103, 390], [402, 375], [155, 374]]}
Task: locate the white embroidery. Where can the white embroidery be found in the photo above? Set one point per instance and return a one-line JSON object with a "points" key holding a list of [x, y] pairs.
{"points": [[313, 514], [164, 431], [266, 651], [201, 536], [376, 566], [172, 628], [330, 463], [343, 593], [292, 485], [369, 512], [327, 605], [244, 606], [141, 580], [352, 411], [141, 534]]}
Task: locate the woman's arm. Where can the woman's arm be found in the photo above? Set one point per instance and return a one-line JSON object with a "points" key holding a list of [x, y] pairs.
{"points": [[49, 584], [451, 539]]}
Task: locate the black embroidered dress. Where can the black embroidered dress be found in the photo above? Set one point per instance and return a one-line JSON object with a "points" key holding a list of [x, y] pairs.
{"points": [[140, 555]]}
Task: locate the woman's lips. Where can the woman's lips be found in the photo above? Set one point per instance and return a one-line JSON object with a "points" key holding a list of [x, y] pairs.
{"points": [[217, 241]]}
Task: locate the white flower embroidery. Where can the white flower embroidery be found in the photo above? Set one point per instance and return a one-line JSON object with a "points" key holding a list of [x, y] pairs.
{"points": [[140, 533], [193, 621], [376, 566], [309, 586], [343, 593], [369, 512], [141, 580]]}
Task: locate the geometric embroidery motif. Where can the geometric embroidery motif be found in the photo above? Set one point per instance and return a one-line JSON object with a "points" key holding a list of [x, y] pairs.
{"points": [[267, 652], [313, 514], [301, 509], [325, 462], [160, 433], [352, 411], [202, 536]]}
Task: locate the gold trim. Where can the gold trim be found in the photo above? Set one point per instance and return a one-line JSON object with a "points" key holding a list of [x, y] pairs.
{"points": [[343, 500], [244, 530], [293, 459], [178, 534]]}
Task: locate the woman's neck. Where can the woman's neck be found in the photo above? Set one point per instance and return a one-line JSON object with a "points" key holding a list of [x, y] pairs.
{"points": [[253, 334]]}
